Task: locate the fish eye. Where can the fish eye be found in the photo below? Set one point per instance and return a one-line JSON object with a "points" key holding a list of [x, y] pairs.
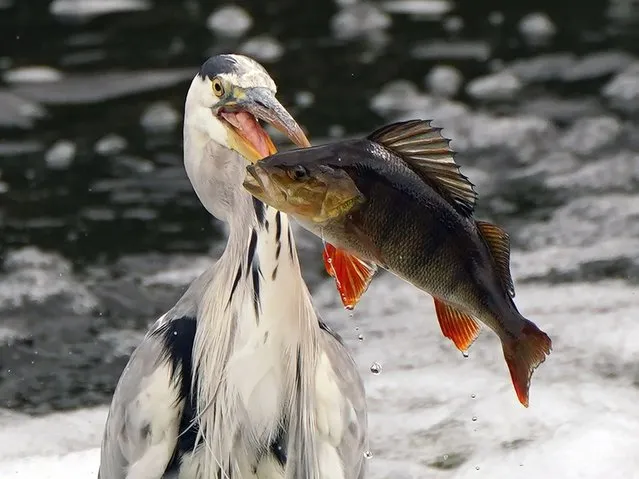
{"points": [[298, 173], [218, 88]]}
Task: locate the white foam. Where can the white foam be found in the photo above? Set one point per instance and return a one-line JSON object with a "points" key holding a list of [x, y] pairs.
{"points": [[582, 422]]}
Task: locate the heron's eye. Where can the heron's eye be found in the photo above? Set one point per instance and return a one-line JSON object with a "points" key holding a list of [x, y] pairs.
{"points": [[298, 173], [218, 88]]}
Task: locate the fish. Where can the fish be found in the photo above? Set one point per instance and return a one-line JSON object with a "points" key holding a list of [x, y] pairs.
{"points": [[397, 200]]}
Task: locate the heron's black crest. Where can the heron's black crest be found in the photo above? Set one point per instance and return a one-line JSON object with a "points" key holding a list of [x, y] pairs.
{"points": [[177, 337], [218, 64]]}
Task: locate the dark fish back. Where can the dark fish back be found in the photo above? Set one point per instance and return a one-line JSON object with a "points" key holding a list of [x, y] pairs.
{"points": [[420, 236]]}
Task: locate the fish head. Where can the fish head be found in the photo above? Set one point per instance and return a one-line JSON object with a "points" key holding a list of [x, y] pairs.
{"points": [[315, 192]]}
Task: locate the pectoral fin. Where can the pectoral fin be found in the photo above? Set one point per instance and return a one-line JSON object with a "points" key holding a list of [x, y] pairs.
{"points": [[352, 275]]}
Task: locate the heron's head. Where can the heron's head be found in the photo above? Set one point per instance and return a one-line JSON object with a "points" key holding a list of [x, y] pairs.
{"points": [[226, 102], [236, 92]]}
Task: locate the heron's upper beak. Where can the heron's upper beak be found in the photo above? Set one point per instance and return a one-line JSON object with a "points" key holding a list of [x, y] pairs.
{"points": [[241, 111]]}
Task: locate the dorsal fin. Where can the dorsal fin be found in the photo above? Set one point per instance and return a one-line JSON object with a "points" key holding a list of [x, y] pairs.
{"points": [[429, 155], [498, 243]]}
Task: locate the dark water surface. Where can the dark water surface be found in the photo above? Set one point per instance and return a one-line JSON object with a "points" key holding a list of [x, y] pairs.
{"points": [[540, 98], [138, 190]]}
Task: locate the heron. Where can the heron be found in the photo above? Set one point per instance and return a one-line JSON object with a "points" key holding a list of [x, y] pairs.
{"points": [[241, 378]]}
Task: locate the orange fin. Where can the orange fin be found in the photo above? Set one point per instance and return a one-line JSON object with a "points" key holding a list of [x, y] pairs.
{"points": [[459, 327], [523, 355], [352, 275]]}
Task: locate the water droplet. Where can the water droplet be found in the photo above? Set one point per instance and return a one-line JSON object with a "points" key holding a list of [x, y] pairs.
{"points": [[376, 368], [350, 315], [445, 457], [360, 337], [465, 354], [356, 328], [473, 396], [368, 454], [474, 418], [477, 468]]}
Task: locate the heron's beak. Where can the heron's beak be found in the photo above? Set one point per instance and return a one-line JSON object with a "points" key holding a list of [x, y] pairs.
{"points": [[247, 136]]}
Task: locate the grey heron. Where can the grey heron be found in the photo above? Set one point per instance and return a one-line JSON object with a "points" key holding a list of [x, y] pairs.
{"points": [[241, 378]]}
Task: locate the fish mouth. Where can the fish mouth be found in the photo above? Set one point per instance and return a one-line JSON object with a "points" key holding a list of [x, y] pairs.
{"points": [[253, 182], [260, 185]]}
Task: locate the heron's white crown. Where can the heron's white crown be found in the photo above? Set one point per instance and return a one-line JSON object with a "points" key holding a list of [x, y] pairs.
{"points": [[201, 101]]}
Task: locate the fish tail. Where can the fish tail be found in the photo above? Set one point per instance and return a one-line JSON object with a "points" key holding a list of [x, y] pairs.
{"points": [[523, 354]]}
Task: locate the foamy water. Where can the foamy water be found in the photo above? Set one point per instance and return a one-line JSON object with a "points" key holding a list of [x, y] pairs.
{"points": [[434, 413]]}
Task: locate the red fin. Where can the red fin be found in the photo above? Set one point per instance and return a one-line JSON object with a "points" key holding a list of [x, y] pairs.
{"points": [[459, 327], [352, 275], [523, 355]]}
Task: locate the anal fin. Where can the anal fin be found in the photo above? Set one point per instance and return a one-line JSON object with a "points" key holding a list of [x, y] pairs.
{"points": [[352, 275], [461, 328]]}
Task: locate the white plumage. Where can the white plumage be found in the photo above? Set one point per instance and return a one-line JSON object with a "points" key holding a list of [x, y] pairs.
{"points": [[240, 379]]}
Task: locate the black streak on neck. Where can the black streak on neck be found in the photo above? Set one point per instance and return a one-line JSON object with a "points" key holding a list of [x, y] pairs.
{"points": [[253, 266], [251, 251], [256, 273], [236, 281], [278, 225], [290, 242], [260, 211]]}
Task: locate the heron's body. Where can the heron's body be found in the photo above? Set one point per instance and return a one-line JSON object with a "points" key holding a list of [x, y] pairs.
{"points": [[240, 379]]}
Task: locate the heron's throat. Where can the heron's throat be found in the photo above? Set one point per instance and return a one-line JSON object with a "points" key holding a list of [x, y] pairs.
{"points": [[279, 291]]}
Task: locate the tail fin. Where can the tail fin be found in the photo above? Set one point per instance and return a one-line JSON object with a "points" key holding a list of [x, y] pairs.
{"points": [[523, 355]]}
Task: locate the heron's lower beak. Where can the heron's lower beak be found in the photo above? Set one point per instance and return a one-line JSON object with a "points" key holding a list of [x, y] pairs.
{"points": [[242, 111]]}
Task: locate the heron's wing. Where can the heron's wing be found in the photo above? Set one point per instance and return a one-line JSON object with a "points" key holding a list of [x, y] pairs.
{"points": [[352, 444], [142, 426]]}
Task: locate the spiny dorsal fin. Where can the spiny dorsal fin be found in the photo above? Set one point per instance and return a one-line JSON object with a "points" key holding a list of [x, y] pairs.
{"points": [[498, 242], [428, 153]]}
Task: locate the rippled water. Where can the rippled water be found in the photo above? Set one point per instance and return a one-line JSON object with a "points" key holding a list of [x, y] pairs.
{"points": [[93, 91], [100, 229]]}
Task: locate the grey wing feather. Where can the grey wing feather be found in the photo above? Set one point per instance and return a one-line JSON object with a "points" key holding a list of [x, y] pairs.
{"points": [[354, 442], [142, 424]]}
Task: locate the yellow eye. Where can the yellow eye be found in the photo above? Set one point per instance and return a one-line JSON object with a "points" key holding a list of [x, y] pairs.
{"points": [[218, 88]]}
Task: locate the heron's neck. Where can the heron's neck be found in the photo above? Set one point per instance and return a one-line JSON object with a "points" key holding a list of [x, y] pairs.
{"points": [[262, 252], [259, 345]]}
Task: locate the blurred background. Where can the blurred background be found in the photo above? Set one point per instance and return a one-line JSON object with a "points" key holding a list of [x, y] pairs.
{"points": [[100, 231]]}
